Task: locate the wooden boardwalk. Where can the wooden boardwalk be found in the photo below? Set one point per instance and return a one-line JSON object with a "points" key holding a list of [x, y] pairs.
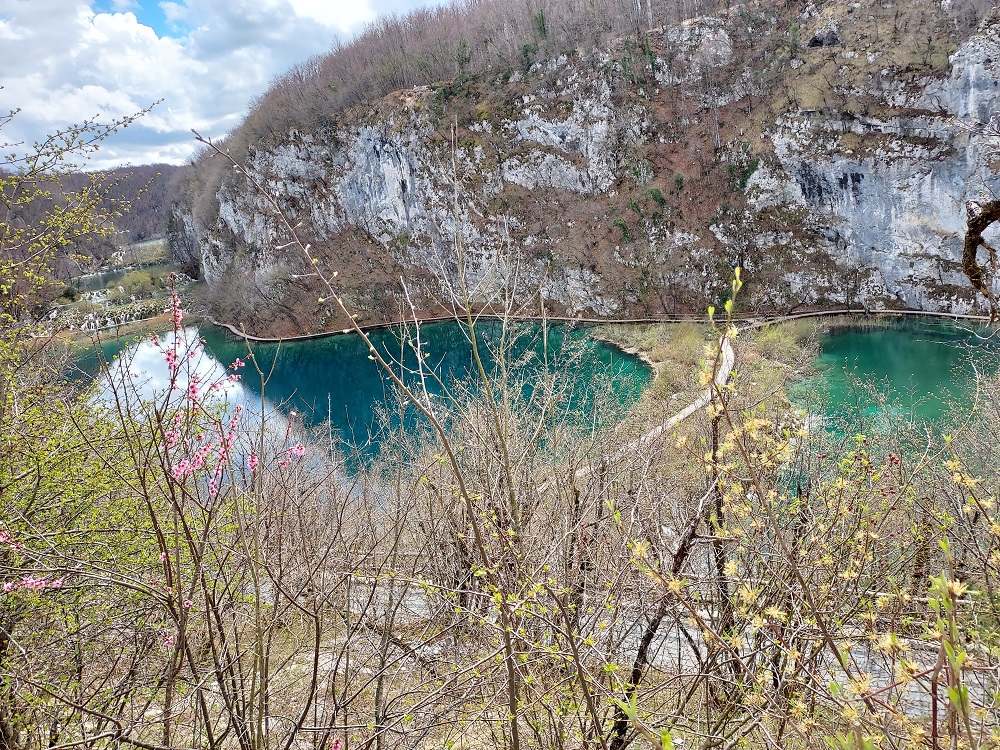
{"points": [[748, 321]]}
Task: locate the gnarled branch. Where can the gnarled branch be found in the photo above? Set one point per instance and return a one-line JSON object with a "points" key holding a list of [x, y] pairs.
{"points": [[979, 216]]}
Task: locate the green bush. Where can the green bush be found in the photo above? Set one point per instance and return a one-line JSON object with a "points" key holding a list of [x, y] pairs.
{"points": [[623, 227], [786, 341], [70, 293], [137, 283], [656, 195]]}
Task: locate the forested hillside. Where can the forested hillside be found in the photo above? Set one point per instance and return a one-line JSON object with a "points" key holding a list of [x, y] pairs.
{"points": [[134, 200]]}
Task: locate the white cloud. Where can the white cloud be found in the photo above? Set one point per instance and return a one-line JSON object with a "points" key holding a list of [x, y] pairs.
{"points": [[8, 32], [344, 16], [64, 61], [174, 12]]}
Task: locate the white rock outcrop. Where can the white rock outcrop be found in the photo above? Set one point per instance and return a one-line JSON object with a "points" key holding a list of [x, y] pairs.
{"points": [[839, 206]]}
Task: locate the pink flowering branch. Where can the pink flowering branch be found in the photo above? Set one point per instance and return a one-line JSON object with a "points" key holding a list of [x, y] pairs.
{"points": [[190, 452], [30, 582], [296, 451], [9, 541]]}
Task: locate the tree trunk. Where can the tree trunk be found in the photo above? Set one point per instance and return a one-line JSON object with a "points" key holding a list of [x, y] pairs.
{"points": [[979, 216]]}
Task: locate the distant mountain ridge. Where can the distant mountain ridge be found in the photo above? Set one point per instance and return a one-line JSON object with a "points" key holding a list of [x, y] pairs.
{"points": [[138, 193]]}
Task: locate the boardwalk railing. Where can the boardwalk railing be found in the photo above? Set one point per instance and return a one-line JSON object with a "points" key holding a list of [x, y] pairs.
{"points": [[749, 321]]}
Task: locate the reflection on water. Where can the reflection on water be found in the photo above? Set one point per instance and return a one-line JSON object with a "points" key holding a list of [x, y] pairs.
{"points": [[139, 372], [334, 378], [143, 367], [93, 282]]}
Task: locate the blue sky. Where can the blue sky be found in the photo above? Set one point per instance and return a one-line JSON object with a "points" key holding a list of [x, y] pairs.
{"points": [[147, 13], [64, 61]]}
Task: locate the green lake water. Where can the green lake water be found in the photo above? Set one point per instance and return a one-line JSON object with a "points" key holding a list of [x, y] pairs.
{"points": [[105, 280], [915, 368], [333, 378]]}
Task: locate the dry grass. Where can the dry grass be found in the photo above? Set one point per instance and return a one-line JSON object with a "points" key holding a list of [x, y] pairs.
{"points": [[675, 351]]}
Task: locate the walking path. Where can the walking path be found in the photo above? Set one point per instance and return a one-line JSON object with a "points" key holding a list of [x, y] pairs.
{"points": [[724, 367], [749, 321]]}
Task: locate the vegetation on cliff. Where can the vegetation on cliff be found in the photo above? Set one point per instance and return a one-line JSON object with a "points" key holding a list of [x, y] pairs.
{"points": [[625, 162]]}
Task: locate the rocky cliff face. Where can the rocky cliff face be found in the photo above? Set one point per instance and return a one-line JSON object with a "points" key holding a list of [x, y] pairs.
{"points": [[888, 192], [831, 163]]}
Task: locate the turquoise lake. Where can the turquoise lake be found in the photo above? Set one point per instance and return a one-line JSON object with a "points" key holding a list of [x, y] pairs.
{"points": [[333, 378], [915, 368], [918, 366]]}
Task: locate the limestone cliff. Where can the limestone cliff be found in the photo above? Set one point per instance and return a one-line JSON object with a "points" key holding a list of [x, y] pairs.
{"points": [[824, 152], [887, 185]]}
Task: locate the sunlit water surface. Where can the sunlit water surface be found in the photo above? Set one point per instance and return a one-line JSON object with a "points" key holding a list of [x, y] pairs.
{"points": [[911, 368], [335, 379]]}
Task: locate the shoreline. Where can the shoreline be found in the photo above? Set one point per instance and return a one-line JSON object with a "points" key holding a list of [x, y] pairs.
{"points": [[640, 354], [748, 321], [139, 327]]}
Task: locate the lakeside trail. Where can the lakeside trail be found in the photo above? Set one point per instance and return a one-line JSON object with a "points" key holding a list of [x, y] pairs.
{"points": [[748, 322]]}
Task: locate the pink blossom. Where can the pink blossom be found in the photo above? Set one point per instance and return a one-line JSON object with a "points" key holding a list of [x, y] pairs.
{"points": [[176, 316], [6, 538], [168, 641], [296, 451], [338, 744], [30, 582], [188, 604], [237, 364], [252, 463], [182, 469]]}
